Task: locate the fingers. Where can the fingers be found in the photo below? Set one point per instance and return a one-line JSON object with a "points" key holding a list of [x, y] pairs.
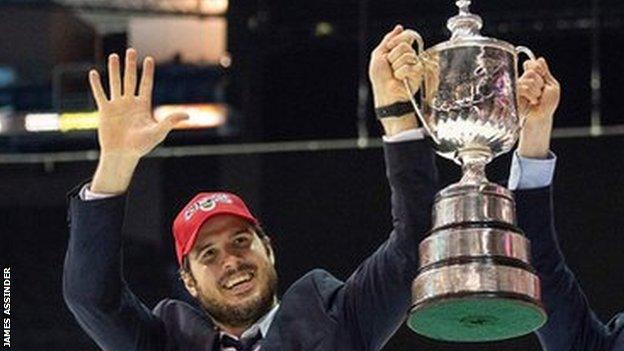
{"points": [[167, 124], [529, 93], [533, 81], [400, 50], [130, 73], [407, 36], [541, 67], [537, 82], [129, 79], [411, 72], [114, 78], [532, 76], [405, 59], [96, 88], [531, 86], [531, 65], [548, 77], [382, 47], [147, 79], [176, 118]]}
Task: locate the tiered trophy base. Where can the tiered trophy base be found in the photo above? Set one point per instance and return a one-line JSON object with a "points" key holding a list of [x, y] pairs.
{"points": [[475, 283]]}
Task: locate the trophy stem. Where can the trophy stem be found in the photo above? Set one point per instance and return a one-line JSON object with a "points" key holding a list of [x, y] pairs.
{"points": [[473, 166]]}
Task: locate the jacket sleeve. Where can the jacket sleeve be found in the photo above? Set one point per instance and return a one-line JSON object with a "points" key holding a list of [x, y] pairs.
{"points": [[93, 285], [572, 325], [377, 296]]}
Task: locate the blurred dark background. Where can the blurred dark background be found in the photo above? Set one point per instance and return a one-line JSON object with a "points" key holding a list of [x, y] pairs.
{"points": [[293, 78]]}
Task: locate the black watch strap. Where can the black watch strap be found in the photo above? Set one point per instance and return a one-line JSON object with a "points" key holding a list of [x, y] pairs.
{"points": [[394, 110]]}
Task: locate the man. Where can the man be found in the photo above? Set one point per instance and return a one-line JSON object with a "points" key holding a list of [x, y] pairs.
{"points": [[226, 259], [227, 263]]}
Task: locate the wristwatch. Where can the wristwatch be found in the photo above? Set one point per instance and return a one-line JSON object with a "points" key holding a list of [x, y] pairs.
{"points": [[397, 109]]}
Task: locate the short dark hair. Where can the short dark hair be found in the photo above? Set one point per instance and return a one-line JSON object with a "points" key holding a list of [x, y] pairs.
{"points": [[186, 264]]}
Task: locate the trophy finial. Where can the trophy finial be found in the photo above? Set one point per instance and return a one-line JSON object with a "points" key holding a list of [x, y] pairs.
{"points": [[463, 6], [465, 24]]}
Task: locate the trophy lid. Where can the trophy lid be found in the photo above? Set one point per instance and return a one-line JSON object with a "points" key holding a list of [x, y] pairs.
{"points": [[464, 25], [465, 30]]}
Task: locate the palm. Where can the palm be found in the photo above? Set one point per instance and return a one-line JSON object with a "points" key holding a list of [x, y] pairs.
{"points": [[127, 124]]}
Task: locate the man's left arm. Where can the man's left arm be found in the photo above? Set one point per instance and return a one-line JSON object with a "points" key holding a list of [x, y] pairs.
{"points": [[378, 293], [572, 325], [376, 298]]}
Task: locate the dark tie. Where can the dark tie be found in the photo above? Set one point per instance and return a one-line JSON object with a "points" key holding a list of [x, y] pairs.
{"points": [[244, 344]]}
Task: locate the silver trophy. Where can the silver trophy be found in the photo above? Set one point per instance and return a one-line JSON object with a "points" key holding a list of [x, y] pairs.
{"points": [[475, 281]]}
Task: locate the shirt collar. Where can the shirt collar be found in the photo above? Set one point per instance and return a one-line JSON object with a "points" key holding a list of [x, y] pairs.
{"points": [[263, 324]]}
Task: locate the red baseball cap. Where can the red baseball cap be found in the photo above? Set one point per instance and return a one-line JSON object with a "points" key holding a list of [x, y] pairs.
{"points": [[201, 208]]}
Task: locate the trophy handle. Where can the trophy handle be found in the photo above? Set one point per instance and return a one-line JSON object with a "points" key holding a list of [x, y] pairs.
{"points": [[529, 53], [419, 113]]}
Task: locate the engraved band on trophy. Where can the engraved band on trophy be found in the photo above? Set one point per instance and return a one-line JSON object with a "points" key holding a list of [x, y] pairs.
{"points": [[475, 281]]}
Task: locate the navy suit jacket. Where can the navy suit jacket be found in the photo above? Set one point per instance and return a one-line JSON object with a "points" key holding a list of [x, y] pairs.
{"points": [[318, 312], [571, 326]]}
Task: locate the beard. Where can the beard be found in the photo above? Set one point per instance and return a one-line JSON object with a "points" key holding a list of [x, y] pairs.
{"points": [[243, 314]]}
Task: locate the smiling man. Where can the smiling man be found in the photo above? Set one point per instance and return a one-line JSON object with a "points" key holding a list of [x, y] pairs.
{"points": [[226, 260]]}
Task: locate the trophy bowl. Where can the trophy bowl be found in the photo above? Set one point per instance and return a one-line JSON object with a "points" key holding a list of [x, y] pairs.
{"points": [[470, 99], [468, 95]]}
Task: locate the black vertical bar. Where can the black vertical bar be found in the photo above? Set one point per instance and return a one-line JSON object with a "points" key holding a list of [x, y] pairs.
{"points": [[363, 92], [595, 80]]}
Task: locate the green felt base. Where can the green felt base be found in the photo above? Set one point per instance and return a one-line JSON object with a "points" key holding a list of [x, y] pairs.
{"points": [[475, 318]]}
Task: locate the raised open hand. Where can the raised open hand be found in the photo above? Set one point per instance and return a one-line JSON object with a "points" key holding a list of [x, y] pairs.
{"points": [[127, 129], [126, 122]]}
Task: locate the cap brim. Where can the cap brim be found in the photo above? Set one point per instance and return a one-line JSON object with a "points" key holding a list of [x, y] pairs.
{"points": [[191, 242]]}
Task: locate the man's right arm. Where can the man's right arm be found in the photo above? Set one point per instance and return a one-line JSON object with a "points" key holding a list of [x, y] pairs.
{"points": [[93, 285], [375, 298]]}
